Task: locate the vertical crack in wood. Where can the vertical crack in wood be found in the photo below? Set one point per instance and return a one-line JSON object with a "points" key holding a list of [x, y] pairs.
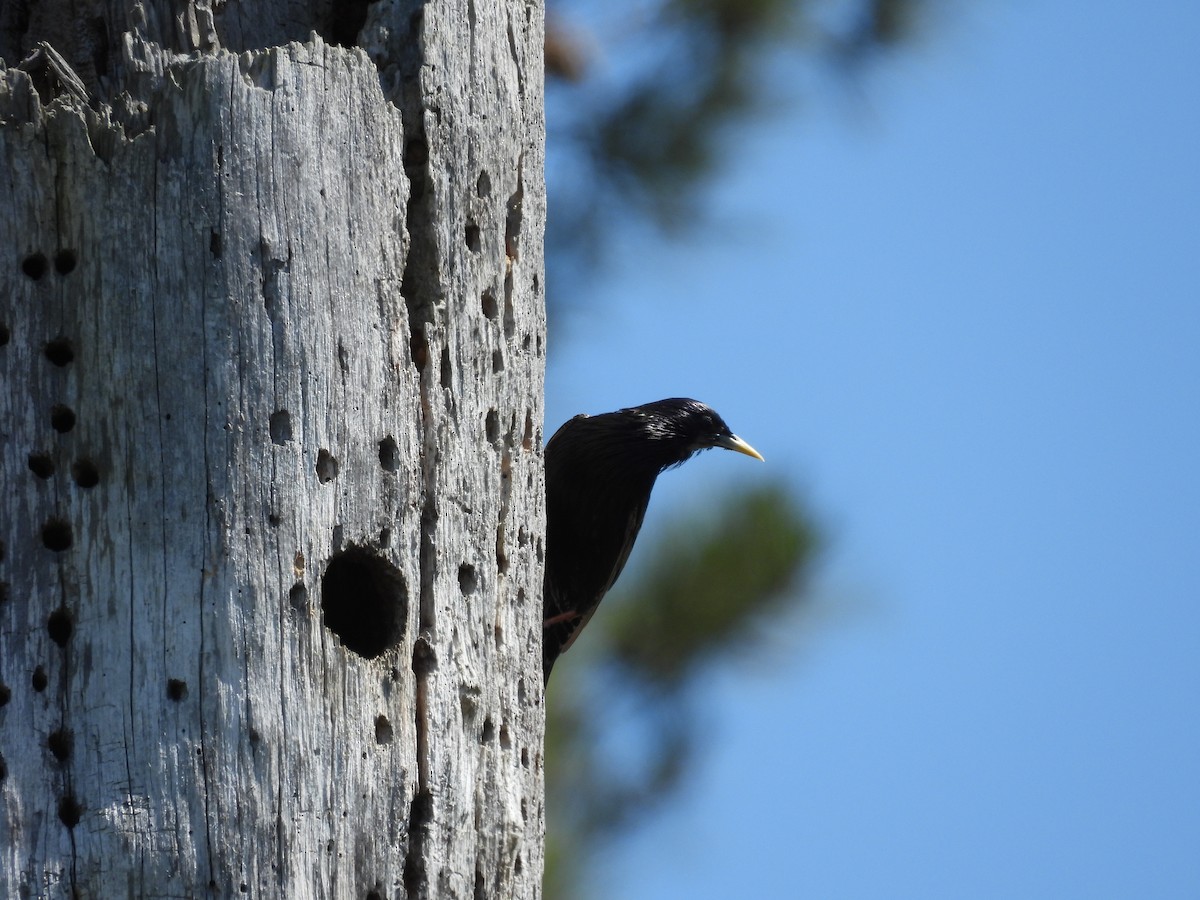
{"points": [[421, 289]]}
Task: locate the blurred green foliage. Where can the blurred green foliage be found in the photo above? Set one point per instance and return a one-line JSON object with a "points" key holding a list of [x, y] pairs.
{"points": [[637, 142]]}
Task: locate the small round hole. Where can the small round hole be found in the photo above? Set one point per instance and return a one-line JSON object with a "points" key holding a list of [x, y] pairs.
{"points": [[60, 626], [327, 466], [468, 580], [298, 597], [491, 308], [85, 473], [62, 419], [389, 454], [60, 352], [65, 262], [69, 811], [59, 742], [383, 730], [56, 535], [34, 266], [41, 465], [280, 425]]}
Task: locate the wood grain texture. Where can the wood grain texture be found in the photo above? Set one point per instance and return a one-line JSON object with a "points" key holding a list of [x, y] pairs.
{"points": [[238, 342]]}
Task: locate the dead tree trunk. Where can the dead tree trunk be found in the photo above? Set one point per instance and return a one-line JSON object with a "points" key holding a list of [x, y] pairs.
{"points": [[271, 351]]}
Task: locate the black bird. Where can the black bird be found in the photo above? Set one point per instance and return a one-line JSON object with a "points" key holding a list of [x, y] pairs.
{"points": [[599, 474]]}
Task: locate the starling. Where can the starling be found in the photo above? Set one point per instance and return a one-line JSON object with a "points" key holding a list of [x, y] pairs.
{"points": [[599, 474]]}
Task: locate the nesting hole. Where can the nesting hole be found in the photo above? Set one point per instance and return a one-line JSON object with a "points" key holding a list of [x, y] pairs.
{"points": [[5, 694], [364, 601], [5, 335], [65, 262], [35, 266], [60, 351], [41, 465], [39, 680], [56, 535], [60, 626], [488, 734], [177, 690], [447, 372], [85, 473], [497, 362], [492, 426], [62, 418], [483, 185]]}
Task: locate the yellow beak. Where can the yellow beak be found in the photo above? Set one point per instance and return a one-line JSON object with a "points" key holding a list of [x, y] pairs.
{"points": [[733, 442]]}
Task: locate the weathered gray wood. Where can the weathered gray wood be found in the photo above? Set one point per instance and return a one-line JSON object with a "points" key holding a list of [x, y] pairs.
{"points": [[276, 347]]}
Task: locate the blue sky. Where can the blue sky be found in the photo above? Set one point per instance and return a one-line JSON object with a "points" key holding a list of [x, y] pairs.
{"points": [[959, 309]]}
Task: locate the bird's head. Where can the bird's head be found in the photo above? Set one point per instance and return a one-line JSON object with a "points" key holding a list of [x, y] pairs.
{"points": [[681, 427]]}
